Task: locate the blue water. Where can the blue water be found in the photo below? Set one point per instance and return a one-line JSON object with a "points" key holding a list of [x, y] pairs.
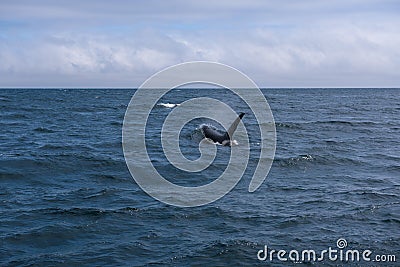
{"points": [[68, 199]]}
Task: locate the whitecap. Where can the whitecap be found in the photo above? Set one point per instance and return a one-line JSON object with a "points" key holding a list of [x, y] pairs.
{"points": [[168, 105]]}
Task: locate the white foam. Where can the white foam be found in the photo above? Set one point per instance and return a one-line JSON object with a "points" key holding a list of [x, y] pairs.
{"points": [[168, 105]]}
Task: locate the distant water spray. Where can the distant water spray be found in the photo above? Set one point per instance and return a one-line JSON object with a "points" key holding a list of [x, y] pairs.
{"points": [[148, 95]]}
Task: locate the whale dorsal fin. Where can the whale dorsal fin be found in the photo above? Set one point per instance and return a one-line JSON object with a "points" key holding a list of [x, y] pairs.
{"points": [[234, 125]]}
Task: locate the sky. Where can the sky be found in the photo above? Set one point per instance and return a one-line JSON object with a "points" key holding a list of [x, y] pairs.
{"points": [[284, 43]]}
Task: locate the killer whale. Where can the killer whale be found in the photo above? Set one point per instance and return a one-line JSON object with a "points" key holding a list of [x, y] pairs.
{"points": [[218, 137]]}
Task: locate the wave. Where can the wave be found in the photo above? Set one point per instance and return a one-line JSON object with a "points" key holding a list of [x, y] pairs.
{"points": [[293, 124], [168, 105], [333, 122], [374, 195], [76, 211], [11, 175], [288, 161], [290, 125], [51, 147], [11, 116], [57, 160], [324, 160], [350, 122], [116, 123], [89, 211], [43, 130]]}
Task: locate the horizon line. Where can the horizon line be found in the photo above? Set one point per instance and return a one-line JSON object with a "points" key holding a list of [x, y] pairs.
{"points": [[132, 88]]}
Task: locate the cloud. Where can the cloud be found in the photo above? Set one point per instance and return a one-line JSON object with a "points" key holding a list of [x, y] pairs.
{"points": [[277, 43]]}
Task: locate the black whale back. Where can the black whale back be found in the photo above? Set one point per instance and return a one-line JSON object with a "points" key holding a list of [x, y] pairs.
{"points": [[222, 138], [214, 135]]}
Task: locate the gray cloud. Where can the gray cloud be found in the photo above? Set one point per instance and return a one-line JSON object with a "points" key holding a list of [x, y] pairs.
{"points": [[277, 43]]}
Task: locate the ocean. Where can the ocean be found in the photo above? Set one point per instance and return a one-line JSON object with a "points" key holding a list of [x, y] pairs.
{"points": [[68, 198]]}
